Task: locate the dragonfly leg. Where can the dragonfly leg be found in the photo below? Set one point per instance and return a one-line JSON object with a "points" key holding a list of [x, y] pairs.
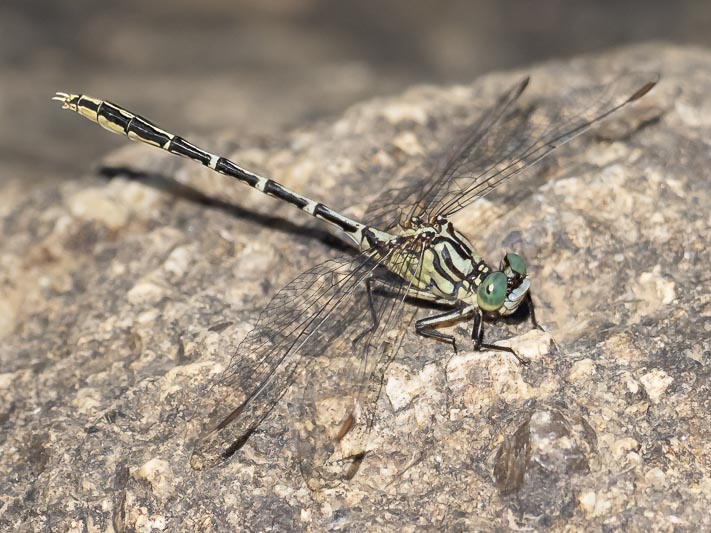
{"points": [[532, 312], [369, 282], [426, 326], [534, 322], [477, 336]]}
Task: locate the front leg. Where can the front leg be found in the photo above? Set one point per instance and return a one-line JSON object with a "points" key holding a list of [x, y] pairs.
{"points": [[532, 311], [478, 334], [534, 322], [426, 326]]}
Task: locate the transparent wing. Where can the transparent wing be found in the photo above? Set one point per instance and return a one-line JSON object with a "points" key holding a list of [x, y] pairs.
{"points": [[509, 140], [267, 360], [403, 199], [305, 320], [337, 410], [525, 136]]}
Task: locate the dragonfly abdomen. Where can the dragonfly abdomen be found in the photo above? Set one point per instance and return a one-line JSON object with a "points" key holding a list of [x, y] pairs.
{"points": [[118, 120]]}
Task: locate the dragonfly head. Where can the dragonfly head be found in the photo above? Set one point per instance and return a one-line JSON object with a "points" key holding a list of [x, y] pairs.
{"points": [[502, 291]]}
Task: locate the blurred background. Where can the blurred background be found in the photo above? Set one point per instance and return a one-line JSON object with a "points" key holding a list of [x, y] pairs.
{"points": [[255, 67]]}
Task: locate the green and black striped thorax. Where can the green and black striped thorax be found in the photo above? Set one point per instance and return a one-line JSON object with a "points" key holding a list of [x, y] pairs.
{"points": [[441, 264]]}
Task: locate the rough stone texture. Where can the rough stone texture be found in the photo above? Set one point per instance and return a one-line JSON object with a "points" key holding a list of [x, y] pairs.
{"points": [[120, 300]]}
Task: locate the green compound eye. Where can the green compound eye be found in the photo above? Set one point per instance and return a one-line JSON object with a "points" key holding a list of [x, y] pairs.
{"points": [[492, 292], [516, 263]]}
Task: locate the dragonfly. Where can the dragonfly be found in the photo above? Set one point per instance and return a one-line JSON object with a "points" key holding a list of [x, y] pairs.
{"points": [[337, 326]]}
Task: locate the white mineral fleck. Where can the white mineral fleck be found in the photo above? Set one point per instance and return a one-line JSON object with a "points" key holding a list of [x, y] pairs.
{"points": [[655, 383]]}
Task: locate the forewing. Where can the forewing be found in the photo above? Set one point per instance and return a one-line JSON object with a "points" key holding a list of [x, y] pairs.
{"points": [[301, 321], [411, 195], [503, 143], [523, 137]]}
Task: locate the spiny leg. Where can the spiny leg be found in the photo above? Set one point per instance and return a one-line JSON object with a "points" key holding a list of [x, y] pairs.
{"points": [[426, 326], [534, 322], [477, 336], [532, 312]]}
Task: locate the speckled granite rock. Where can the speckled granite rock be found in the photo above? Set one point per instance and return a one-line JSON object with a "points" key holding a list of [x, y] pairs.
{"points": [[120, 300]]}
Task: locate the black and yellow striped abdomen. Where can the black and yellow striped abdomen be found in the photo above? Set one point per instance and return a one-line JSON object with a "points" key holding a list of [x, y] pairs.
{"points": [[116, 119]]}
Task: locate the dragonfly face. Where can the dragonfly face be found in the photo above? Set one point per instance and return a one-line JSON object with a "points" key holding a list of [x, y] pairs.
{"points": [[502, 291]]}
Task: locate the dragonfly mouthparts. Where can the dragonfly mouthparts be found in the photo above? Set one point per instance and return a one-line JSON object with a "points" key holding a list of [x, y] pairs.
{"points": [[515, 297]]}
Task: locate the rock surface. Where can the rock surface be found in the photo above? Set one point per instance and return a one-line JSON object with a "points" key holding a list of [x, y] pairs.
{"points": [[121, 299]]}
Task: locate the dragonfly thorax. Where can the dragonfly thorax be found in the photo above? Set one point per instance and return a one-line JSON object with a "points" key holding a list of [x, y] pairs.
{"points": [[444, 266]]}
